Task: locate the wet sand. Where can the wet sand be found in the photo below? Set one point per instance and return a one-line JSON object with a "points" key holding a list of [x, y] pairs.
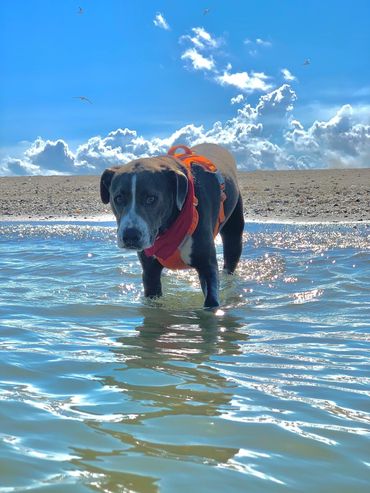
{"points": [[314, 195]]}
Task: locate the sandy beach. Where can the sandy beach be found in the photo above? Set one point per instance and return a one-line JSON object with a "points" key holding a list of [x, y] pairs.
{"points": [[316, 195]]}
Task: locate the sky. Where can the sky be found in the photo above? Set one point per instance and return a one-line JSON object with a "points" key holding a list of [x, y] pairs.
{"points": [[86, 84]]}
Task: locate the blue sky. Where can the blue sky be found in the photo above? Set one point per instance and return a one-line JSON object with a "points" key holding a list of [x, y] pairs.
{"points": [[138, 76]]}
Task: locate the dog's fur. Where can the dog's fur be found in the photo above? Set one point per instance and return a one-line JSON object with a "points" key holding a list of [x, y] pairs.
{"points": [[146, 196]]}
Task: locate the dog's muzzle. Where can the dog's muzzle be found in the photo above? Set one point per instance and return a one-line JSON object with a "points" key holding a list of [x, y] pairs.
{"points": [[131, 238]]}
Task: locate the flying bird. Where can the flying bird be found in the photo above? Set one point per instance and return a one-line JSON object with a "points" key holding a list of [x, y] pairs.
{"points": [[80, 10], [307, 61], [83, 98]]}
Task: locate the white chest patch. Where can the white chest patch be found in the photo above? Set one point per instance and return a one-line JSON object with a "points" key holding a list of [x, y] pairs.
{"points": [[186, 250]]}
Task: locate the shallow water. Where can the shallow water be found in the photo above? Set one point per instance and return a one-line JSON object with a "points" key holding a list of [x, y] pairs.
{"points": [[101, 390]]}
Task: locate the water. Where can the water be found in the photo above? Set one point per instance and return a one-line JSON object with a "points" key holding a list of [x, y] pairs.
{"points": [[102, 391]]}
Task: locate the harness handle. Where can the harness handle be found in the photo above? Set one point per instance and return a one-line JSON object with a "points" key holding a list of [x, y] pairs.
{"points": [[173, 149]]}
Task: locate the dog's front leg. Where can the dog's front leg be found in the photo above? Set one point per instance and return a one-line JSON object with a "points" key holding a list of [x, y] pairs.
{"points": [[152, 270], [207, 269], [209, 281]]}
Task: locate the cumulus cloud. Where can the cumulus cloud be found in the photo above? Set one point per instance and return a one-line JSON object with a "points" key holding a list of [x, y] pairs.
{"points": [[288, 76], [275, 105], [341, 141], [198, 61], [118, 147], [237, 99], [42, 157], [296, 124], [160, 21], [256, 81], [53, 155], [201, 39], [261, 136], [19, 167]]}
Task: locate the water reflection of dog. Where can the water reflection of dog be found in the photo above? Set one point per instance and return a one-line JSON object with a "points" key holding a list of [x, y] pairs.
{"points": [[171, 361], [170, 344], [197, 334], [172, 391]]}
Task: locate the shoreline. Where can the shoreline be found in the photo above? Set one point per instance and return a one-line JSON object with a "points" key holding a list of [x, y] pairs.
{"points": [[335, 196], [107, 219]]}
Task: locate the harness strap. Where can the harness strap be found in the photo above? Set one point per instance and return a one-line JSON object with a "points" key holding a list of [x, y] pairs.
{"points": [[188, 158]]}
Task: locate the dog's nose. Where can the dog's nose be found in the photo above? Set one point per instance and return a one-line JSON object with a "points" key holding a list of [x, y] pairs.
{"points": [[131, 236]]}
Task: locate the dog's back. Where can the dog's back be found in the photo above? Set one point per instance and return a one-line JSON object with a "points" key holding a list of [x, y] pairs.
{"points": [[222, 158]]}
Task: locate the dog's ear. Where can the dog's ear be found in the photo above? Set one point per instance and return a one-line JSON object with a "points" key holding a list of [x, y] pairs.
{"points": [[181, 189], [105, 182]]}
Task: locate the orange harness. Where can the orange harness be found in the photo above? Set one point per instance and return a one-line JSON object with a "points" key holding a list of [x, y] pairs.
{"points": [[173, 259]]}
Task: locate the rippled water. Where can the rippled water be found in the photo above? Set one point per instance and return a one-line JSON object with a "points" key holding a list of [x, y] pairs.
{"points": [[103, 391]]}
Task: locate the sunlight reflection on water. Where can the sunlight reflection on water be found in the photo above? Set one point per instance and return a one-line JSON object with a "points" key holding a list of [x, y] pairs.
{"points": [[101, 390]]}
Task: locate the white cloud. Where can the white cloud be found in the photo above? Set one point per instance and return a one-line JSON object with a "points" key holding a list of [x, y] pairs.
{"points": [[288, 76], [201, 46], [204, 38], [118, 147], [51, 155], [203, 54], [257, 81], [262, 42], [96, 154], [12, 166], [263, 136], [188, 135], [160, 21], [198, 61], [237, 99], [342, 141], [201, 39], [296, 124], [43, 157], [278, 102]]}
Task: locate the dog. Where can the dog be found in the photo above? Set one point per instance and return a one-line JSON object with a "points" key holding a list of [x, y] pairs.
{"points": [[170, 208]]}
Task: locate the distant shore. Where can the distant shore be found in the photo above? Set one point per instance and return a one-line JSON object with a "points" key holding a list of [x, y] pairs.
{"points": [[336, 195]]}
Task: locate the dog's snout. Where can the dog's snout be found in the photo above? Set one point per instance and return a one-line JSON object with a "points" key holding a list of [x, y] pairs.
{"points": [[131, 237]]}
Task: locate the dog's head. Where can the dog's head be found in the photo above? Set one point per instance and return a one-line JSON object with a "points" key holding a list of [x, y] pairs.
{"points": [[146, 195]]}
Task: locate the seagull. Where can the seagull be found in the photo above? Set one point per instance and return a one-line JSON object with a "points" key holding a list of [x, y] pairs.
{"points": [[83, 98], [307, 61], [80, 10], [206, 11]]}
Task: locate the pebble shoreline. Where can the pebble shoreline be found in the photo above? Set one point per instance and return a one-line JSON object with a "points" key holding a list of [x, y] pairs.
{"points": [[335, 195]]}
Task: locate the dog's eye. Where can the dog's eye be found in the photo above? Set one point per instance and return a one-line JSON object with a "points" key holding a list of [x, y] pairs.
{"points": [[150, 199], [120, 199]]}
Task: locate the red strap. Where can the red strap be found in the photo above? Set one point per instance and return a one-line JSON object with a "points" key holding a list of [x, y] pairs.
{"points": [[166, 244]]}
